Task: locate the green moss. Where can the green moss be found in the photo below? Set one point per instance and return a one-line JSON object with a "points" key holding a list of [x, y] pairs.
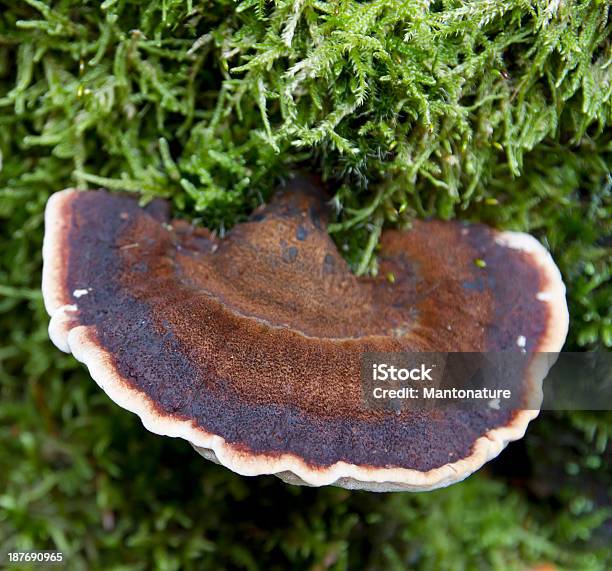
{"points": [[493, 111]]}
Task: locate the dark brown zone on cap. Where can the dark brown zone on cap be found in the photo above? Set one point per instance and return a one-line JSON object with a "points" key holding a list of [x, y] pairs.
{"points": [[179, 312]]}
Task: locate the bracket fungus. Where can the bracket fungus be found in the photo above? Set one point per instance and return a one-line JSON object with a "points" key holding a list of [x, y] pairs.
{"points": [[249, 346]]}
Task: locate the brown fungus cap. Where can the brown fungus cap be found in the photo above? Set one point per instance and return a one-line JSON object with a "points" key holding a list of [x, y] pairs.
{"points": [[249, 347]]}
